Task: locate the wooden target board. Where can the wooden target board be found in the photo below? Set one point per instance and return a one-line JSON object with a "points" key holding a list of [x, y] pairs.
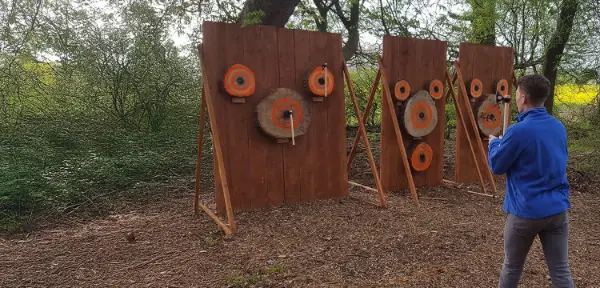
{"points": [[489, 64], [418, 62], [262, 172]]}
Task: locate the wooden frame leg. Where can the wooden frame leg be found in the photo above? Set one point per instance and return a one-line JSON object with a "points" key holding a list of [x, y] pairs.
{"points": [[367, 111], [230, 228], [199, 154], [363, 131], [390, 106]]}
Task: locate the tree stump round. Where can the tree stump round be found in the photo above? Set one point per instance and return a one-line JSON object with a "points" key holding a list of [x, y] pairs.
{"points": [[420, 156], [239, 81], [314, 82], [502, 87], [475, 88], [276, 111], [401, 90], [418, 115], [436, 89], [488, 115]]}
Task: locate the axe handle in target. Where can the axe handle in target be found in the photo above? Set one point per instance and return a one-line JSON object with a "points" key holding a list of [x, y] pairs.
{"points": [[506, 116]]}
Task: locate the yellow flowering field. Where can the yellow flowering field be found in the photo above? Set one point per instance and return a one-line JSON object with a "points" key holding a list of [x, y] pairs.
{"points": [[576, 94]]}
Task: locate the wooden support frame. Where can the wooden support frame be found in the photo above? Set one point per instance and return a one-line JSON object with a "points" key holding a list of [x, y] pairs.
{"points": [[380, 77], [230, 228], [363, 132]]}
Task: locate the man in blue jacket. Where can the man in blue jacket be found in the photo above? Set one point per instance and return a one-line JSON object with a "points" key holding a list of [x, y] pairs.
{"points": [[533, 154]]}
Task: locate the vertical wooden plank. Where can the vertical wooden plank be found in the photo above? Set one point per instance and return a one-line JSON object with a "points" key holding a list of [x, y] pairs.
{"points": [[215, 38], [319, 134], [256, 167], [336, 120], [305, 153], [236, 135], [287, 79], [270, 80], [388, 140], [417, 61]]}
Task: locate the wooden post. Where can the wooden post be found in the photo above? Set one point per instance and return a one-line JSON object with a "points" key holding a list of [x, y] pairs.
{"points": [[464, 126], [217, 147], [367, 111], [388, 95], [199, 154], [363, 131]]}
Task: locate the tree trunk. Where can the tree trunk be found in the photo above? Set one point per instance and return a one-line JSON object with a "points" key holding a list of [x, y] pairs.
{"points": [[274, 12], [556, 46]]}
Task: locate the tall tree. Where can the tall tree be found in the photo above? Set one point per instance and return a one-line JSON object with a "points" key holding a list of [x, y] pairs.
{"points": [[267, 12], [556, 46]]}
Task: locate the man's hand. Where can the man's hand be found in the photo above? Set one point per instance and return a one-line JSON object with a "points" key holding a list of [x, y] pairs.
{"points": [[492, 137]]}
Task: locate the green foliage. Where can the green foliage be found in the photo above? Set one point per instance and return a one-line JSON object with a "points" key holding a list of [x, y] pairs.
{"points": [[254, 18]]}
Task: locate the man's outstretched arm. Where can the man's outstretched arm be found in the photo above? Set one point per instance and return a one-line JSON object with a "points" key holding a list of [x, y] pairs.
{"points": [[503, 151]]}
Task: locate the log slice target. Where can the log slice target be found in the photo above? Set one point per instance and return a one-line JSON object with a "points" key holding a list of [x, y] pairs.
{"points": [[420, 156], [239, 81], [418, 115], [316, 80], [489, 116], [274, 111]]}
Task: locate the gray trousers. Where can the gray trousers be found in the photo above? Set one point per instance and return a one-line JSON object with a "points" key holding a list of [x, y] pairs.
{"points": [[519, 234]]}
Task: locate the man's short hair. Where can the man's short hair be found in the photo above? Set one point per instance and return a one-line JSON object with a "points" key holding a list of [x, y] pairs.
{"points": [[536, 87]]}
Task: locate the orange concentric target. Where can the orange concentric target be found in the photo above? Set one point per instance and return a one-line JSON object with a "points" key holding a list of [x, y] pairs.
{"points": [[276, 111], [282, 109], [316, 81], [502, 87], [239, 81], [436, 89], [489, 116], [402, 90], [475, 88], [418, 115], [420, 155]]}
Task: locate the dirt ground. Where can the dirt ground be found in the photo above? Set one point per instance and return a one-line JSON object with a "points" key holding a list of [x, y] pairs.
{"points": [[453, 240]]}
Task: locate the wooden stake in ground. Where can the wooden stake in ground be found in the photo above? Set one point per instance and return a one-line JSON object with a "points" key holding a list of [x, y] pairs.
{"points": [[231, 227], [363, 131], [390, 106], [367, 111]]}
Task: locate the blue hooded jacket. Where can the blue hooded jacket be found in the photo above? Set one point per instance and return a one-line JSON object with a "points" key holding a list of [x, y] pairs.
{"points": [[533, 154]]}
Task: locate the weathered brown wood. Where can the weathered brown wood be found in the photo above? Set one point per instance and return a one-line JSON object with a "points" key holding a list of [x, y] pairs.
{"points": [[336, 119], [418, 62], [363, 131], [460, 119], [269, 77], [236, 146], [367, 111], [199, 152], [387, 96], [305, 153], [263, 172], [217, 143], [318, 145], [364, 187], [489, 64], [287, 78]]}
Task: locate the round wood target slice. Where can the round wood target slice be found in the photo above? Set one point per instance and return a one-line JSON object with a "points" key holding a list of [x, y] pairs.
{"points": [[418, 114], [239, 81], [315, 81], [475, 88], [401, 90], [436, 89], [502, 87], [489, 116], [273, 113], [420, 156]]}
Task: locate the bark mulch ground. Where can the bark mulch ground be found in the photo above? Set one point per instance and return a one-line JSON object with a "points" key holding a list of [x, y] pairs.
{"points": [[453, 240]]}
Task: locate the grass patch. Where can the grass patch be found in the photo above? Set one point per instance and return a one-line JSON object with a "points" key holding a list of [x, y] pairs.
{"points": [[242, 280]]}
